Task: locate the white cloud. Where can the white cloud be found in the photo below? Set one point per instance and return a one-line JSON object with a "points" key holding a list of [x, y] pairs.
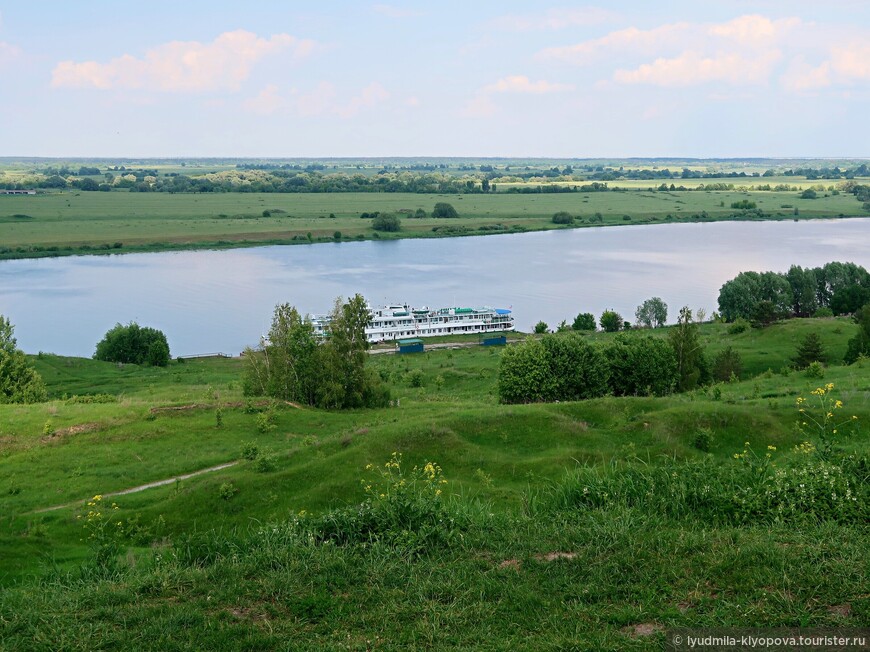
{"points": [[692, 68], [483, 106], [851, 63], [323, 100], [522, 84], [845, 65], [743, 31], [182, 66], [629, 39], [801, 76], [553, 19], [754, 29]]}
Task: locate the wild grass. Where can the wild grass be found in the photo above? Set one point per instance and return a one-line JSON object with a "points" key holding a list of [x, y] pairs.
{"points": [[63, 223], [564, 526]]}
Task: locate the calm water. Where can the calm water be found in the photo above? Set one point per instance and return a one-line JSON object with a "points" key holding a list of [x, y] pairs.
{"points": [[221, 301]]}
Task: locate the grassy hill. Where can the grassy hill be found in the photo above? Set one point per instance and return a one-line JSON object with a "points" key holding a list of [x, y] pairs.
{"points": [[593, 524]]}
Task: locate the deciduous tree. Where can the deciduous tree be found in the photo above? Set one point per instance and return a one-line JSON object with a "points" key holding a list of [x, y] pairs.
{"points": [[652, 313], [19, 382]]}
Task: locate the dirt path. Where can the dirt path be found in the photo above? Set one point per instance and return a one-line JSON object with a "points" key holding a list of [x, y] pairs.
{"points": [[142, 487]]}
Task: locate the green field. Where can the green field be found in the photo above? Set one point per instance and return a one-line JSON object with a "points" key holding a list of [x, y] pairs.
{"points": [[73, 223], [526, 569]]}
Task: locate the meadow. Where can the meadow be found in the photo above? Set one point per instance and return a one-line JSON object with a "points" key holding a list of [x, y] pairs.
{"points": [[516, 553], [72, 222]]}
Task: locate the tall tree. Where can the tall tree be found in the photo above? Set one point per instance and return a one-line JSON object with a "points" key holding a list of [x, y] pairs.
{"points": [[652, 313], [287, 367], [585, 321], [860, 344], [346, 385], [292, 364], [685, 339], [803, 285]]}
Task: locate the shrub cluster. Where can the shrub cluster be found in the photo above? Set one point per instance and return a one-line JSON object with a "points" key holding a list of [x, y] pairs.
{"points": [[566, 367], [294, 364], [553, 368], [134, 344], [563, 217], [19, 382]]}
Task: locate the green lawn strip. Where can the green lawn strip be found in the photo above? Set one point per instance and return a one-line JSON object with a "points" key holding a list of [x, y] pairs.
{"points": [[70, 223]]}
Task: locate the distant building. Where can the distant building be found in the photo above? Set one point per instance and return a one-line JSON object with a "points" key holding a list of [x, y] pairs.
{"points": [[17, 192]]}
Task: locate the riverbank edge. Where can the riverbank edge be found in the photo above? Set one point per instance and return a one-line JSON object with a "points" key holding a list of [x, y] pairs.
{"points": [[104, 249]]}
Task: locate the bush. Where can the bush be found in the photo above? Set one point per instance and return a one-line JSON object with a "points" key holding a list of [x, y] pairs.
{"points": [[743, 205], [541, 327], [250, 451], [822, 312], [19, 382], [641, 366], [266, 422], [563, 217], [266, 462], [727, 364], [859, 346], [386, 222], [415, 377], [815, 370], [703, 440], [809, 193], [443, 209], [134, 344], [585, 321], [564, 368], [740, 325], [227, 490], [810, 350], [611, 321]]}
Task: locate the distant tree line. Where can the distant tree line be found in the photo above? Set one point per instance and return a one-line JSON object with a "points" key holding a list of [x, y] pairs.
{"points": [[762, 297]]}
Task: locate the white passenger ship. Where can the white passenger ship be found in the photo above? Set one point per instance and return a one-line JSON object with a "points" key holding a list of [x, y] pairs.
{"points": [[400, 321]]}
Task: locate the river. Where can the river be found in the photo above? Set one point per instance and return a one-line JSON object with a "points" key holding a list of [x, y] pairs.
{"points": [[221, 301]]}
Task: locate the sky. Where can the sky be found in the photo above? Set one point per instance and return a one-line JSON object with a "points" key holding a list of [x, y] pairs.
{"points": [[290, 79]]}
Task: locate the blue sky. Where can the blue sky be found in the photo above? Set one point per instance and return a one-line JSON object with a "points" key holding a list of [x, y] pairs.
{"points": [[292, 79]]}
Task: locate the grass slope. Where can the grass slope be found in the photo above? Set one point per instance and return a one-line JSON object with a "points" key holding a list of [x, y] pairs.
{"points": [[258, 584]]}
